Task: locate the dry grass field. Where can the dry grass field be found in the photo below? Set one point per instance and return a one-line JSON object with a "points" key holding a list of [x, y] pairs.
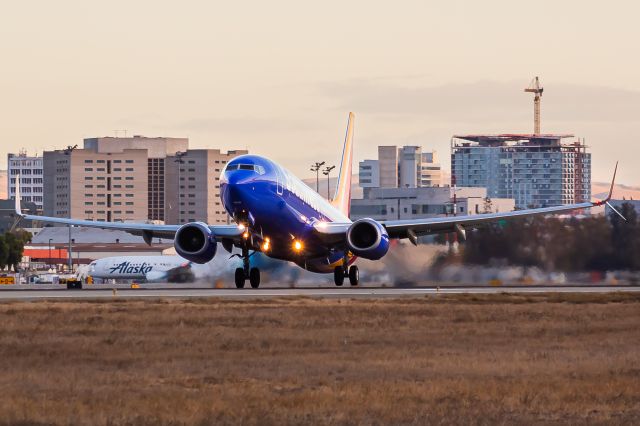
{"points": [[495, 359]]}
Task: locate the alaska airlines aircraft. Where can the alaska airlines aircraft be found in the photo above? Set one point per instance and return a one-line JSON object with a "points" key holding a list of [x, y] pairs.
{"points": [[149, 268], [277, 214]]}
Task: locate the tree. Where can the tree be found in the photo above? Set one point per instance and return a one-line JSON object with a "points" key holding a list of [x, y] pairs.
{"points": [[15, 242], [625, 238], [4, 252]]}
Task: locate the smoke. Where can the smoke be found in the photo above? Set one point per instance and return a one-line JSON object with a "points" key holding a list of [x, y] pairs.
{"points": [[404, 264]]}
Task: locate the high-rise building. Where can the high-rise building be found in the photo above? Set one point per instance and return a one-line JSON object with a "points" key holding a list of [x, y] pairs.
{"points": [[30, 170], [535, 170], [405, 167], [194, 180]]}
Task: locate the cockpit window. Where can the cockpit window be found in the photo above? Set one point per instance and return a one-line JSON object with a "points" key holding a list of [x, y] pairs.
{"points": [[254, 167]]}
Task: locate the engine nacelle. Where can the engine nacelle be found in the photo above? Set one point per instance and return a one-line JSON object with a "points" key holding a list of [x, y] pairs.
{"points": [[195, 242], [368, 239]]}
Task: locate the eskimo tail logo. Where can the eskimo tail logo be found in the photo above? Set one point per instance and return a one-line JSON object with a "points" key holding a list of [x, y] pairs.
{"points": [[128, 268]]}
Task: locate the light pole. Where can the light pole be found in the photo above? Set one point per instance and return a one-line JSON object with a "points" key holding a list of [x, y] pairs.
{"points": [[180, 162], [68, 152], [326, 172], [50, 239], [316, 168]]}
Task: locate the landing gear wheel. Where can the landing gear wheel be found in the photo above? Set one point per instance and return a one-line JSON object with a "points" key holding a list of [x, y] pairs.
{"points": [[338, 276], [254, 277], [239, 278], [354, 275]]}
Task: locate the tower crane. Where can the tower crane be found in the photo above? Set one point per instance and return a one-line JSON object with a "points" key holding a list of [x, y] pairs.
{"points": [[536, 89]]}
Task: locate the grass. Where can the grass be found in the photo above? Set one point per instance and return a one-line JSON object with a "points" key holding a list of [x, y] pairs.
{"points": [[474, 359]]}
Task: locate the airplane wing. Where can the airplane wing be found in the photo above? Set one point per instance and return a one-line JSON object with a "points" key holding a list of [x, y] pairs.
{"points": [[413, 228], [148, 231]]}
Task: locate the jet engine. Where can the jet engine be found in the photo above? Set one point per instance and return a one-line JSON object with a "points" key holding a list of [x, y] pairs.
{"points": [[195, 242], [368, 239]]}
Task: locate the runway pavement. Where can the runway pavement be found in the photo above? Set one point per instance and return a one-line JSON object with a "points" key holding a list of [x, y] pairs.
{"points": [[347, 292]]}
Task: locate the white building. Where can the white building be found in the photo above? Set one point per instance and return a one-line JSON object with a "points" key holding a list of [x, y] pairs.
{"points": [[416, 203], [430, 170], [405, 167], [369, 174], [30, 171]]}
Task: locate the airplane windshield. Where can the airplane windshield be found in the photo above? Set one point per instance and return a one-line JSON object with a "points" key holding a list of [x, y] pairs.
{"points": [[253, 167]]}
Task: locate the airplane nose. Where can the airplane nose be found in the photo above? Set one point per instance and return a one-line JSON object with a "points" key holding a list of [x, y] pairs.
{"points": [[235, 187]]}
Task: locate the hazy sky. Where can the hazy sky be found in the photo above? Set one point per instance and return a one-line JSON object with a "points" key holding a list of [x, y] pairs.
{"points": [[280, 77]]}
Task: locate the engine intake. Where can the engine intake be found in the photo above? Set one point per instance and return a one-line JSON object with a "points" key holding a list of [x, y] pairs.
{"points": [[368, 239], [195, 242]]}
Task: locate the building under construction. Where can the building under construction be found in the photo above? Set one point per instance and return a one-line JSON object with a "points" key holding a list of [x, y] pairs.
{"points": [[536, 170]]}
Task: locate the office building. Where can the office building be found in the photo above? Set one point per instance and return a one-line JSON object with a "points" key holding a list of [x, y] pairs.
{"points": [[30, 170], [405, 167], [135, 179], [193, 178], [94, 185], [158, 149], [535, 170]]}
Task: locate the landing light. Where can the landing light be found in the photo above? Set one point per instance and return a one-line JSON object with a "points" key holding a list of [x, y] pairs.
{"points": [[297, 245], [266, 245], [241, 226], [245, 235]]}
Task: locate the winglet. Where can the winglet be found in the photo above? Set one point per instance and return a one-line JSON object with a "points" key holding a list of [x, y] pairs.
{"points": [[606, 200], [18, 206], [342, 200], [613, 182]]}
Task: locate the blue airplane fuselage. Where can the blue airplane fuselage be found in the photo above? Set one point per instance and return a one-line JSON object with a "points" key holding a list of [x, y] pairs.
{"points": [[280, 209]]}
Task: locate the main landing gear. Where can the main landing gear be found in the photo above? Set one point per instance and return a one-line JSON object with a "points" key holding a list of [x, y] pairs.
{"points": [[253, 274], [340, 272]]}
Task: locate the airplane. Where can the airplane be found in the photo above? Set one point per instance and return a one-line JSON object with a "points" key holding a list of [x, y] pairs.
{"points": [[276, 214], [148, 268]]}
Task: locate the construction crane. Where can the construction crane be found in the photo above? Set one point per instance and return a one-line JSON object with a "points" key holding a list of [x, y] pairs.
{"points": [[534, 87]]}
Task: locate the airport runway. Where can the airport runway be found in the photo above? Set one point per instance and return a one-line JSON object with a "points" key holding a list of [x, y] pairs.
{"points": [[346, 292]]}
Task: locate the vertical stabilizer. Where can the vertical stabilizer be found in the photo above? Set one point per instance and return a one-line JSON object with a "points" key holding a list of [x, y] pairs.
{"points": [[342, 199]]}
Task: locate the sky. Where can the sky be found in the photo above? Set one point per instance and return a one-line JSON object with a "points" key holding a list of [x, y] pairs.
{"points": [[280, 77]]}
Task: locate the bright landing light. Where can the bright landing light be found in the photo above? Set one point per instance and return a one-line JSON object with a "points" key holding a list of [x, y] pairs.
{"points": [[297, 245]]}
